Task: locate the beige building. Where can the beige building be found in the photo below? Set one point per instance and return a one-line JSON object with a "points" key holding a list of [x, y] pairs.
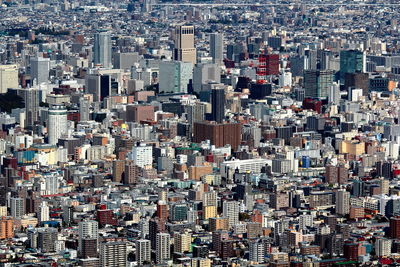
{"points": [[182, 242], [8, 77], [184, 44]]}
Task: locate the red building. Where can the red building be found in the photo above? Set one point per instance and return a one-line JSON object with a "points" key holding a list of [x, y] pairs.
{"points": [[350, 251], [106, 217], [312, 104], [272, 64]]}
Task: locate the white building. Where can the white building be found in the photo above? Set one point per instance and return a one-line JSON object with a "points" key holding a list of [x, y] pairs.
{"points": [[230, 209], [40, 68], [57, 124], [43, 213], [256, 251], [142, 155], [17, 207], [8, 77], [163, 250], [143, 251], [383, 247], [205, 73]]}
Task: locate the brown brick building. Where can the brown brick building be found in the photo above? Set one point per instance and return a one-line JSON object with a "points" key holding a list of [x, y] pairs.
{"points": [[219, 134]]}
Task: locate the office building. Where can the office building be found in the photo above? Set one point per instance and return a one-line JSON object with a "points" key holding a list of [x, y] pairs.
{"points": [[256, 251], [219, 134], [102, 49], [351, 61], [88, 247], [40, 68], [57, 123], [17, 206], [383, 247], [217, 47], [163, 250], [87, 230], [143, 251], [84, 109], [113, 254], [205, 73], [98, 85], [32, 99], [138, 113], [8, 77], [394, 227], [44, 212], [184, 44], [175, 76], [218, 104], [317, 83]]}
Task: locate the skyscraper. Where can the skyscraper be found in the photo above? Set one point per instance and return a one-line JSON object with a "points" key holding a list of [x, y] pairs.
{"points": [[87, 229], [230, 209], [317, 83], [143, 251], [32, 100], [342, 202], [40, 68], [113, 254], [17, 207], [218, 104], [351, 61], [256, 251], [182, 242], [205, 73], [217, 47], [6, 227], [84, 109], [184, 44], [175, 76], [102, 49], [57, 123], [43, 214], [8, 77], [163, 251]]}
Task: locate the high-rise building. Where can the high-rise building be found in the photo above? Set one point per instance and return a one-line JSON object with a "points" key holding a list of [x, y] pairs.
{"points": [[342, 202], [43, 213], [84, 109], [17, 206], [32, 100], [138, 113], [46, 239], [162, 247], [218, 104], [98, 85], [230, 209], [205, 73], [40, 68], [383, 247], [131, 172], [175, 76], [57, 123], [143, 251], [217, 47], [8, 77], [88, 230], [351, 61], [256, 251], [182, 242], [184, 44], [113, 254], [219, 134], [6, 228], [142, 155], [102, 49], [317, 83], [394, 227]]}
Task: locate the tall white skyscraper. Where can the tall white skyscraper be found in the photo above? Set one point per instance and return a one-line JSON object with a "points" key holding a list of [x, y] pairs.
{"points": [[175, 76], [163, 251], [143, 251], [230, 209], [17, 207], [40, 68], [217, 47], [43, 213], [51, 182], [57, 123], [102, 49]]}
